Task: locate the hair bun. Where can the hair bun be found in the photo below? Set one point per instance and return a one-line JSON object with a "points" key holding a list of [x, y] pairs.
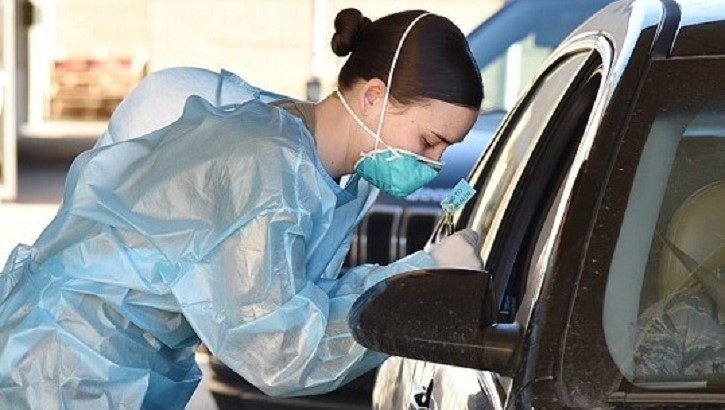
{"points": [[349, 23]]}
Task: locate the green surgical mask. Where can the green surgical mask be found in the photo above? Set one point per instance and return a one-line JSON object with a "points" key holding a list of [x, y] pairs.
{"points": [[397, 172]]}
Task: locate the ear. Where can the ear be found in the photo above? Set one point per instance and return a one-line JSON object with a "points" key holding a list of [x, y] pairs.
{"points": [[372, 95]]}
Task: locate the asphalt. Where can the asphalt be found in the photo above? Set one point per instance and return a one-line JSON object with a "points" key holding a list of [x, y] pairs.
{"points": [[40, 189]]}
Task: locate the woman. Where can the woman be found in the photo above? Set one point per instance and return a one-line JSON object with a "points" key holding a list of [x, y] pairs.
{"points": [[210, 212]]}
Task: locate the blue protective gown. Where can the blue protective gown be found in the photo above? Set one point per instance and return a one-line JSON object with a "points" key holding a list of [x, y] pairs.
{"points": [[208, 218]]}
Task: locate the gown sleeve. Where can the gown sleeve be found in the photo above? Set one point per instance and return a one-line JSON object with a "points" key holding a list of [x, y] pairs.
{"points": [[284, 333]]}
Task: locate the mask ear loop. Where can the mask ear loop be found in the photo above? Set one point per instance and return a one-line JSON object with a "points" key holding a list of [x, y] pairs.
{"points": [[360, 123]]}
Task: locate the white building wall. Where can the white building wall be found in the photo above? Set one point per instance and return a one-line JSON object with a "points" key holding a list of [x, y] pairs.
{"points": [[268, 42]]}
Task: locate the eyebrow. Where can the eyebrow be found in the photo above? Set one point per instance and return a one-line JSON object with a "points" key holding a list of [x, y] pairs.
{"points": [[442, 138]]}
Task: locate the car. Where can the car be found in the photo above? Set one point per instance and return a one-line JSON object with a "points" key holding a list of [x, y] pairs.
{"points": [[600, 205], [508, 47]]}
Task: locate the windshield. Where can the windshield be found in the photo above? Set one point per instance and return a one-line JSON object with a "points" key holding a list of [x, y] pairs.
{"points": [[510, 46]]}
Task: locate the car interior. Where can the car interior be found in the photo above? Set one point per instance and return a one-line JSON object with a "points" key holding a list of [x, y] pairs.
{"points": [[661, 322]]}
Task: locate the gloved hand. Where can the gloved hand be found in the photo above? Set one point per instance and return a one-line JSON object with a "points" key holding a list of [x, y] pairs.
{"points": [[459, 250]]}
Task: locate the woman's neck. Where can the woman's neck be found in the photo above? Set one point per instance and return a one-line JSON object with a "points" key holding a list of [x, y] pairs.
{"points": [[333, 136]]}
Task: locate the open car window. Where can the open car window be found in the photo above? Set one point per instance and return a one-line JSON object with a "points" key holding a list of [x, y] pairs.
{"points": [[664, 309], [518, 175], [497, 179]]}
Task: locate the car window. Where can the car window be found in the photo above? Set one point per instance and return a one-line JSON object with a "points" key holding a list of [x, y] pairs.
{"points": [[525, 242], [496, 178], [517, 175], [664, 307]]}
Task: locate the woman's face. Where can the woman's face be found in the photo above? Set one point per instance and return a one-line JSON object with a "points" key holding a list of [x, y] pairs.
{"points": [[426, 128]]}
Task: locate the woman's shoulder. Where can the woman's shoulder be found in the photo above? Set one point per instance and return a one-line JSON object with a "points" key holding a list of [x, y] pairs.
{"points": [[248, 129], [159, 99]]}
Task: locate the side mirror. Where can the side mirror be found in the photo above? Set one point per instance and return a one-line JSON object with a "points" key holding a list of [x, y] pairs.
{"points": [[440, 315]]}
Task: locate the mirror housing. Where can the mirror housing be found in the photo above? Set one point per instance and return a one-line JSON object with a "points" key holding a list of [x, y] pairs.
{"points": [[439, 315]]}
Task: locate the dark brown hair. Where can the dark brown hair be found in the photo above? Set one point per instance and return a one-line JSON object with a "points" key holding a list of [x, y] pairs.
{"points": [[435, 61]]}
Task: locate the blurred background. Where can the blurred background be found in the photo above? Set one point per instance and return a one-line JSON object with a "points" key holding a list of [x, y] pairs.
{"points": [[66, 64], [69, 62]]}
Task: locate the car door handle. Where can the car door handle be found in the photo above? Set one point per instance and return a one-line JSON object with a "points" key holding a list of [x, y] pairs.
{"points": [[421, 398]]}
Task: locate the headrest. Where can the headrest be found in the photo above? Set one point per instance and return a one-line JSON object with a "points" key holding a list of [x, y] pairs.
{"points": [[697, 228]]}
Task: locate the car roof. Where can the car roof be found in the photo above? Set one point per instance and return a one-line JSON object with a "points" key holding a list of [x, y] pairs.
{"points": [[694, 27], [701, 28], [701, 11]]}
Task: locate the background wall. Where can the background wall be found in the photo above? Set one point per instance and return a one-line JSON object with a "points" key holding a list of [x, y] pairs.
{"points": [[267, 42]]}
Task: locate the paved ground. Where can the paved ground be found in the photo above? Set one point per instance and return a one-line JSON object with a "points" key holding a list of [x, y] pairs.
{"points": [[40, 189]]}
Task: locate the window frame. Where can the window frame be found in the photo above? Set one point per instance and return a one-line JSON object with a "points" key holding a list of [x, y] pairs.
{"points": [[554, 362], [595, 49]]}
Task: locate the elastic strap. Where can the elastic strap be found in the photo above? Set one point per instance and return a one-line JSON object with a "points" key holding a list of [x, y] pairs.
{"points": [[392, 68]]}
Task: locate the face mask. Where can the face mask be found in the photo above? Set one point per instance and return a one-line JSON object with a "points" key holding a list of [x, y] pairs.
{"points": [[396, 171]]}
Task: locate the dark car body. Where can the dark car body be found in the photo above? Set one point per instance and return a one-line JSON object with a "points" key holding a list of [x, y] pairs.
{"points": [[508, 46], [590, 206]]}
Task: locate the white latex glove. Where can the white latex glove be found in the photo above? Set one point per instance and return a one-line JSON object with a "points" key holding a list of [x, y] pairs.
{"points": [[459, 250]]}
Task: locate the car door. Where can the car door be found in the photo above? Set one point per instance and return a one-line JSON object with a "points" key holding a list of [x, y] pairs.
{"points": [[625, 319], [517, 181]]}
